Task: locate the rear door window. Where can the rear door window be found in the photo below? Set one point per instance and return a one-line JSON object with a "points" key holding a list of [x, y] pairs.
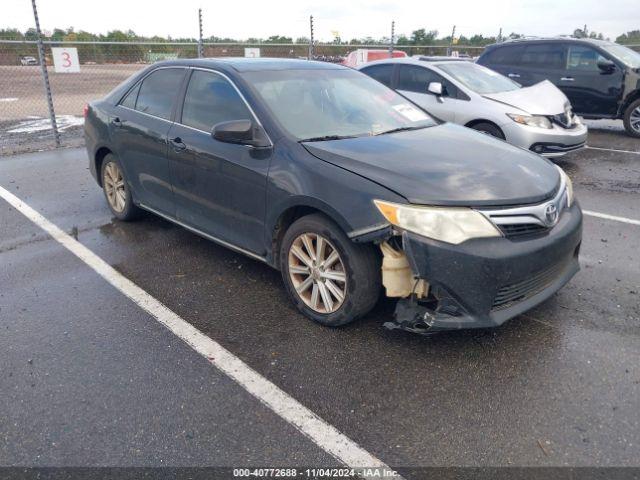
{"points": [[583, 59], [158, 91], [544, 56], [382, 73], [211, 99], [507, 55]]}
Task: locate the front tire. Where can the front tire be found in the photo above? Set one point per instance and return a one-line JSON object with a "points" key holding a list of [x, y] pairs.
{"points": [[116, 190], [489, 129], [330, 279], [632, 119]]}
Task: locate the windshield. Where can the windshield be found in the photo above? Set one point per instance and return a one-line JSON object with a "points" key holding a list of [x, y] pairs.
{"points": [[478, 78], [627, 56], [314, 104]]}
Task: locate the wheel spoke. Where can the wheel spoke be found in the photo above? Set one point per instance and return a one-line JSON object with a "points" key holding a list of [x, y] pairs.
{"points": [[298, 252], [334, 275], [304, 286], [299, 270], [326, 297], [308, 245], [111, 173], [331, 259], [320, 244], [123, 198], [337, 292], [314, 296], [119, 201]]}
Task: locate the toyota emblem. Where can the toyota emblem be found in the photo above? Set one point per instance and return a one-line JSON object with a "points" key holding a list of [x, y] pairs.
{"points": [[551, 214]]}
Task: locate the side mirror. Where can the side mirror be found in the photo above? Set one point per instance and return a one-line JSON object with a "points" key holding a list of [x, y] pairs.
{"points": [[435, 88], [243, 132], [606, 66]]}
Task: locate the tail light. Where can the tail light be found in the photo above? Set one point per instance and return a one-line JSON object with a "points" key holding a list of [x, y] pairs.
{"points": [[85, 110]]}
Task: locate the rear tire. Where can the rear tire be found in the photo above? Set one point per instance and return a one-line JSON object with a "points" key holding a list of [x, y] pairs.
{"points": [[304, 278], [116, 190], [489, 129], [632, 119]]}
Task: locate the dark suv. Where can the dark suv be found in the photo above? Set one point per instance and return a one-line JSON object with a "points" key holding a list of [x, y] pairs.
{"points": [[601, 79]]}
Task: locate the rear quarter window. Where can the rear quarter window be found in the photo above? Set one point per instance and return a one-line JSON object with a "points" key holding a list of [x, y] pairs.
{"points": [[381, 73], [507, 55], [129, 100]]}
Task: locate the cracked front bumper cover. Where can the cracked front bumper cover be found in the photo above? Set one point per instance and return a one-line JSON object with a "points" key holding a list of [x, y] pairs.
{"points": [[485, 282]]}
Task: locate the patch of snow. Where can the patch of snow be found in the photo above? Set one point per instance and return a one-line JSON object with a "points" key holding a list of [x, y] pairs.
{"points": [[38, 124]]}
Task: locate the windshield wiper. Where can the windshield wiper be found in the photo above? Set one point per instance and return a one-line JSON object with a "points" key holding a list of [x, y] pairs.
{"points": [[327, 138], [401, 129]]}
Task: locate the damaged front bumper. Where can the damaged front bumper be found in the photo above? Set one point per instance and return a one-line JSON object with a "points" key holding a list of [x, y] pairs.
{"points": [[485, 282]]}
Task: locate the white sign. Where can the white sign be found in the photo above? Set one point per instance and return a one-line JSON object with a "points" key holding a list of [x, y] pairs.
{"points": [[65, 60], [252, 52]]}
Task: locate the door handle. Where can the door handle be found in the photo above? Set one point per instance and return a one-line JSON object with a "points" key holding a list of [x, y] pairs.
{"points": [[567, 79], [513, 75], [177, 144], [116, 122]]}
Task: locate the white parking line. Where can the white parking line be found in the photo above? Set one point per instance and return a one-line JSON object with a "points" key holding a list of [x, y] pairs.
{"points": [[612, 150], [315, 428], [615, 218]]}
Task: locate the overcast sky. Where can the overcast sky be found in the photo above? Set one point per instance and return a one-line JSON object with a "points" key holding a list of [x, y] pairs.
{"points": [[351, 18]]}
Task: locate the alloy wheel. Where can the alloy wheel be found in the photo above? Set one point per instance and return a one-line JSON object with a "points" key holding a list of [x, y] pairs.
{"points": [[113, 182], [317, 273], [634, 119]]}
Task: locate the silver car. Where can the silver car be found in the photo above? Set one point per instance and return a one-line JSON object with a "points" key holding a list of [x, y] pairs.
{"points": [[537, 118]]}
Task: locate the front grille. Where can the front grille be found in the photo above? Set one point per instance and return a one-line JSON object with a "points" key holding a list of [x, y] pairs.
{"points": [[515, 230], [565, 119], [514, 293]]}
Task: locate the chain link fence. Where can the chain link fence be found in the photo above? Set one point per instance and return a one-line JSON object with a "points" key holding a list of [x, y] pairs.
{"points": [[24, 117]]}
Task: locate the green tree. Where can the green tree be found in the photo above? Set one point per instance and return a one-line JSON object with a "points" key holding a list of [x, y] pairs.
{"points": [[629, 38], [31, 34], [422, 37], [278, 39], [11, 34]]}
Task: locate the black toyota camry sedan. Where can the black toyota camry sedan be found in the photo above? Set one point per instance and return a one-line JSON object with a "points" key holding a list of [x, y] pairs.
{"points": [[343, 185]]}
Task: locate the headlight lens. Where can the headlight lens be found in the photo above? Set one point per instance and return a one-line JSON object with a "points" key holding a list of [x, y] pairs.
{"points": [[569, 186], [451, 225], [531, 120]]}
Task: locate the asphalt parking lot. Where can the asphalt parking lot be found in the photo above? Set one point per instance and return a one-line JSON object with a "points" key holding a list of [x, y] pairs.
{"points": [[89, 378]]}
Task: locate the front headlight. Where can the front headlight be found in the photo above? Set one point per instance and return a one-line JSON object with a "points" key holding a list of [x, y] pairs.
{"points": [[446, 224], [531, 120], [569, 186]]}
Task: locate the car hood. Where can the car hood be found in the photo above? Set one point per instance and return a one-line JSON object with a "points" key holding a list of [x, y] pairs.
{"points": [[445, 165], [543, 98]]}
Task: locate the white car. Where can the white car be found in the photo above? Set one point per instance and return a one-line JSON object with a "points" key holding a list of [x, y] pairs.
{"points": [[538, 118], [28, 61]]}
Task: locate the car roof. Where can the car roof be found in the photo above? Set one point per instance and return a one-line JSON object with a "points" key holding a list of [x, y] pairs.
{"points": [[515, 41], [242, 64], [422, 61]]}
